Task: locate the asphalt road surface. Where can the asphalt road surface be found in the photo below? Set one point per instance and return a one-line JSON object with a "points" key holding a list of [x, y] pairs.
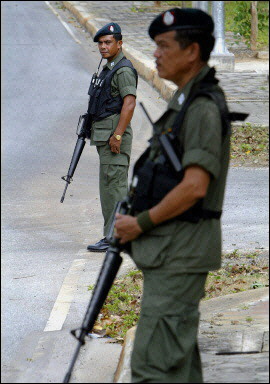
{"points": [[47, 63]]}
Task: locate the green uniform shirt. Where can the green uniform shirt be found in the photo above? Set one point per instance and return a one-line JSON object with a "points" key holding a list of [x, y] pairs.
{"points": [[187, 246], [123, 83]]}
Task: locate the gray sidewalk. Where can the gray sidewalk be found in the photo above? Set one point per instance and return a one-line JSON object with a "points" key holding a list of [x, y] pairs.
{"points": [[233, 335]]}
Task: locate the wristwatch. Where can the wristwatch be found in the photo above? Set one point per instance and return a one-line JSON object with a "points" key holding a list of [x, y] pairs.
{"points": [[118, 137]]}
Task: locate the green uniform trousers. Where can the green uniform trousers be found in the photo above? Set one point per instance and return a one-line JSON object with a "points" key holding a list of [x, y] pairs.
{"points": [[113, 187], [113, 184], [165, 348], [113, 171]]}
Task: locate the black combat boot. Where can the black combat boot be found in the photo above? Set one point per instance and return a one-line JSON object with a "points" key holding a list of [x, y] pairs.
{"points": [[101, 246]]}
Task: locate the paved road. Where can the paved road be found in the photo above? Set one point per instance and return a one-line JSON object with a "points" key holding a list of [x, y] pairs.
{"points": [[246, 210], [45, 81], [45, 268]]}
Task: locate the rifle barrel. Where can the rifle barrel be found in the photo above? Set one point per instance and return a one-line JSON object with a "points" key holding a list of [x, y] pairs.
{"points": [[63, 196], [68, 375], [147, 114]]}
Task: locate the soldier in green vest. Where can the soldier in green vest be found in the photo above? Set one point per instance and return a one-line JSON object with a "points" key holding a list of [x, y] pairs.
{"points": [[111, 105], [175, 230]]}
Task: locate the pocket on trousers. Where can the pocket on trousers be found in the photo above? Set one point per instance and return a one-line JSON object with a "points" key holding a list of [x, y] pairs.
{"points": [[102, 130], [150, 249], [172, 341]]}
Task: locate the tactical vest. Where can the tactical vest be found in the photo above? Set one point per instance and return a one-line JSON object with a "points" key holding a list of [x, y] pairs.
{"points": [[157, 178], [101, 103]]}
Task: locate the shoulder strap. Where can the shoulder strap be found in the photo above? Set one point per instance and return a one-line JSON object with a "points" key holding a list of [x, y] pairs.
{"points": [[202, 88], [124, 62], [205, 88]]}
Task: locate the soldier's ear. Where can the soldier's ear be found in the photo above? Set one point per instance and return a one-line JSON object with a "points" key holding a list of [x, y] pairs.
{"points": [[194, 51]]}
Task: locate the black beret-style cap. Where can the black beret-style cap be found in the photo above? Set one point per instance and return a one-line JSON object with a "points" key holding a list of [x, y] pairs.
{"points": [[181, 18], [108, 29]]}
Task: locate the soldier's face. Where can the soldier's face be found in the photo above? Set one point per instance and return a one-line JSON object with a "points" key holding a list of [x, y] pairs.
{"points": [[109, 47], [172, 61]]}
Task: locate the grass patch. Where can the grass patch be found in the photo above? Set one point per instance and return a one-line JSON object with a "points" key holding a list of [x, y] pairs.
{"points": [[122, 306], [234, 278], [121, 311], [250, 145]]}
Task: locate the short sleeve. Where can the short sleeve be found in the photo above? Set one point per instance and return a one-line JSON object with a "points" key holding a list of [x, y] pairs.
{"points": [[124, 82], [202, 136]]}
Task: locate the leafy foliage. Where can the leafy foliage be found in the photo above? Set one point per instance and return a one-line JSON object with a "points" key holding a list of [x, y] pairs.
{"points": [[242, 19]]}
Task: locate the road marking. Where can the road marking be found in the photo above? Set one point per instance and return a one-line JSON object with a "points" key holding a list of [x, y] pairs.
{"points": [[63, 22], [64, 299]]}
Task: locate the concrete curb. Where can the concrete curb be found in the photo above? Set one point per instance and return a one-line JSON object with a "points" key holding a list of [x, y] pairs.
{"points": [[232, 303], [263, 55], [236, 125]]}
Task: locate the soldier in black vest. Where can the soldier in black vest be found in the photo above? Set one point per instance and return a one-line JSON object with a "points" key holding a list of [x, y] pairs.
{"points": [[175, 229], [112, 103]]}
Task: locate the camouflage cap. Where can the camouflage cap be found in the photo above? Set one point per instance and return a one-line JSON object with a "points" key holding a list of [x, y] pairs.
{"points": [[108, 29], [181, 19]]}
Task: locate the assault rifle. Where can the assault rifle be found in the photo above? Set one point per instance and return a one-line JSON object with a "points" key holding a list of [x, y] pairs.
{"points": [[83, 132], [108, 272]]}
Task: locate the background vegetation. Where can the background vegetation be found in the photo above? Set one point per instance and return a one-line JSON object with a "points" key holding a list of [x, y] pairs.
{"points": [[237, 18], [238, 21]]}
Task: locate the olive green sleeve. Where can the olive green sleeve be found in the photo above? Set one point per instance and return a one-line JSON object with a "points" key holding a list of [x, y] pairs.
{"points": [[124, 83], [202, 136]]}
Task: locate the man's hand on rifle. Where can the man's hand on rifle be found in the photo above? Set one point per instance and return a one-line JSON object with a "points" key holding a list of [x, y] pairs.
{"points": [[126, 228]]}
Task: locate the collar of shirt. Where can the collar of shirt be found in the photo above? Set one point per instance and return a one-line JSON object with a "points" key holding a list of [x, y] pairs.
{"points": [[181, 95], [111, 64]]}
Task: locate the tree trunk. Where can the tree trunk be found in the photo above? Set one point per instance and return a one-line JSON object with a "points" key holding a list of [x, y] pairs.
{"points": [[254, 26], [157, 3]]}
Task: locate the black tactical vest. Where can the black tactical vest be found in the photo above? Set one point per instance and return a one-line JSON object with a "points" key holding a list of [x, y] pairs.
{"points": [[101, 103], [156, 179]]}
